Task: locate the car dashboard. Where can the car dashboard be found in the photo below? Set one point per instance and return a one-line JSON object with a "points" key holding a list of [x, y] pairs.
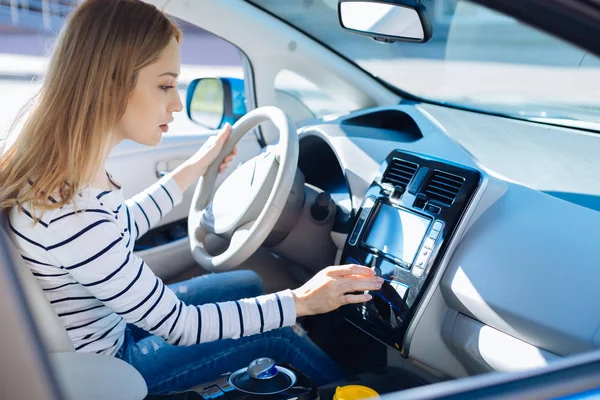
{"points": [[474, 263]]}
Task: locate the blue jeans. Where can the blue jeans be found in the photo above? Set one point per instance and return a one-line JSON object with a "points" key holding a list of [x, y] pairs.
{"points": [[168, 369]]}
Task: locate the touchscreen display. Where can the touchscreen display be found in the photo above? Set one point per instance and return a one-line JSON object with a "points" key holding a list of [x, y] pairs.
{"points": [[398, 233]]}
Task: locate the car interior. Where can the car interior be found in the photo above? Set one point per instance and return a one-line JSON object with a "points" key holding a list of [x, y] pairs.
{"points": [[470, 205]]}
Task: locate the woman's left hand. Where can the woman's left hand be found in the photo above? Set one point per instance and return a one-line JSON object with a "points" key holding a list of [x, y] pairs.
{"points": [[197, 165]]}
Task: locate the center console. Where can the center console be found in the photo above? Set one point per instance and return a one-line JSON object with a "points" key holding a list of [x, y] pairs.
{"points": [[402, 229]]}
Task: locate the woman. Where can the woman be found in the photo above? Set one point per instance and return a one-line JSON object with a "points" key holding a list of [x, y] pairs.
{"points": [[113, 77]]}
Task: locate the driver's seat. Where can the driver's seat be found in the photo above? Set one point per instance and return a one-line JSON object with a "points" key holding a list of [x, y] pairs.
{"points": [[80, 375]]}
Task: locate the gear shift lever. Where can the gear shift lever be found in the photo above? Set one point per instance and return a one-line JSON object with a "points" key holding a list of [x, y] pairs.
{"points": [[262, 368], [262, 378]]}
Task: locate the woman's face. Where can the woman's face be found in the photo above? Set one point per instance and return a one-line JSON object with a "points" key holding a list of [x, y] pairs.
{"points": [[153, 101]]}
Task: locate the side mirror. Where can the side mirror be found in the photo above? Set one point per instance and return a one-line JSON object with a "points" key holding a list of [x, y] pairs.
{"points": [[212, 102], [386, 21]]}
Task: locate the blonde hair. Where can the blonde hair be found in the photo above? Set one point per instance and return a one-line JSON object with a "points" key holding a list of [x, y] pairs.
{"points": [[91, 73]]}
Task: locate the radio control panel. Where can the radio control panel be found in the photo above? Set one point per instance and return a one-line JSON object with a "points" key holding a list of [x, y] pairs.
{"points": [[405, 221]]}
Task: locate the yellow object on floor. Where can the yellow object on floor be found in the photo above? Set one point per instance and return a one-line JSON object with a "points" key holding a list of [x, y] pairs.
{"points": [[354, 392]]}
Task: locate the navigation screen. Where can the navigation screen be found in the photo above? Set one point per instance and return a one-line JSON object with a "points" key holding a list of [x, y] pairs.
{"points": [[398, 233]]}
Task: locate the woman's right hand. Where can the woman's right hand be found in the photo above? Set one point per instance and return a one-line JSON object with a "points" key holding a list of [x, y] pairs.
{"points": [[327, 290]]}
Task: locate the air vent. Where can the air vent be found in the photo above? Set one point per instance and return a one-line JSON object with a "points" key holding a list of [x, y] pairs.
{"points": [[443, 187], [400, 172]]}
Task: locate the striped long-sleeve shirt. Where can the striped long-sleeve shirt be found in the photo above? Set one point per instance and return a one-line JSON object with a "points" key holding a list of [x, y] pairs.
{"points": [[85, 264]]}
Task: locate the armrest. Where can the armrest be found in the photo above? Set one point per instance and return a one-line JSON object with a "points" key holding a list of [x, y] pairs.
{"points": [[97, 377]]}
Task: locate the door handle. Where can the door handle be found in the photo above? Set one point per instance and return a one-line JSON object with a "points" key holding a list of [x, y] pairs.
{"points": [[162, 169], [165, 167]]}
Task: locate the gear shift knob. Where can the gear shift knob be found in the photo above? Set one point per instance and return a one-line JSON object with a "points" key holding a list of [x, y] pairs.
{"points": [[262, 368]]}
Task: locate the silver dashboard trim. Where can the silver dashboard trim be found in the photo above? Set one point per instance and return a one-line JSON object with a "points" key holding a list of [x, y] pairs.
{"points": [[439, 273], [362, 219]]}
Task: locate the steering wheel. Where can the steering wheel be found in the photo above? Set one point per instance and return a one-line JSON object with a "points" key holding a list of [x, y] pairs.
{"points": [[247, 205]]}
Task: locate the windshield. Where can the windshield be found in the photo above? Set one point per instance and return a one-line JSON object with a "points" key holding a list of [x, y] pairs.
{"points": [[477, 58]]}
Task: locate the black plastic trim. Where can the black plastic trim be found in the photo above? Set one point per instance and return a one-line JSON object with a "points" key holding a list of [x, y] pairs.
{"points": [[371, 317], [251, 93], [390, 119], [577, 21]]}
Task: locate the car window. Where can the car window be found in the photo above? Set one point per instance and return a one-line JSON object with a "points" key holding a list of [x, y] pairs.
{"points": [[203, 54], [314, 98], [477, 58], [29, 29]]}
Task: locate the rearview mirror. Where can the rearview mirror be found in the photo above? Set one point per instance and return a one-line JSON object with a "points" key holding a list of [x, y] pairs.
{"points": [[386, 21], [213, 102]]}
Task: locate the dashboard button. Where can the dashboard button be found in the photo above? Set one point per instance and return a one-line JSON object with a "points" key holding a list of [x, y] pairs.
{"points": [[397, 194], [437, 226], [424, 254], [417, 181], [433, 209], [419, 266], [356, 232], [364, 214], [421, 262], [429, 243], [418, 272], [434, 234]]}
